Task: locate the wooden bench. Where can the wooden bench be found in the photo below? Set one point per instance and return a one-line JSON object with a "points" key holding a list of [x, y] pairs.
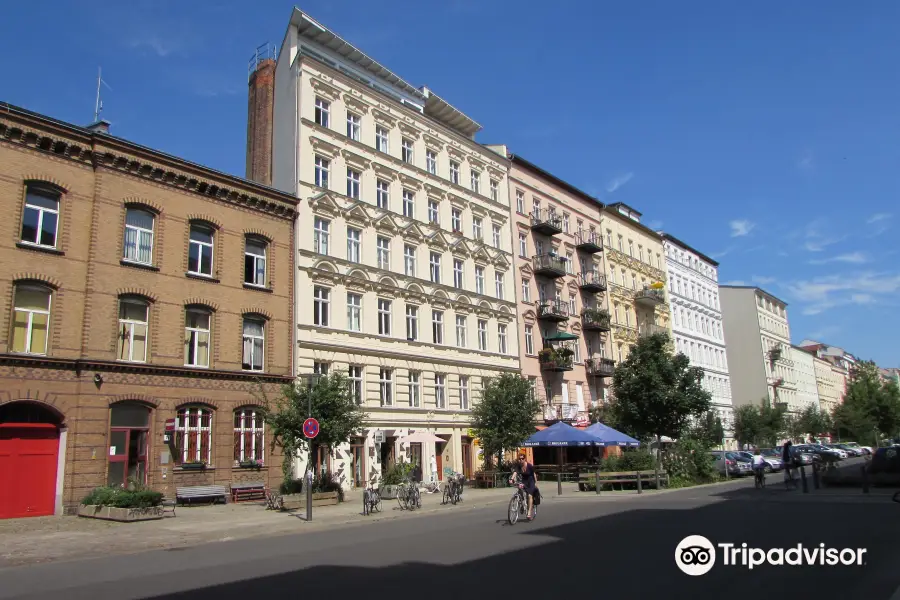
{"points": [[244, 492], [201, 492], [601, 478]]}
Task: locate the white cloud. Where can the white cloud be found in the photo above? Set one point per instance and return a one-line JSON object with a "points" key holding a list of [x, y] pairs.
{"points": [[159, 46], [741, 227], [826, 332], [617, 182], [815, 239], [736, 282], [880, 223], [856, 258], [822, 293], [721, 253], [878, 217], [762, 280], [806, 162]]}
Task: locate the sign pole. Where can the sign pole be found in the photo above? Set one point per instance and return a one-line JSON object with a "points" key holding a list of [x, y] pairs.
{"points": [[310, 463]]}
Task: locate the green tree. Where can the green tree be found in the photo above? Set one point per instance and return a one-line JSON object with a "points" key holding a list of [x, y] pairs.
{"points": [[748, 425], [328, 400], [708, 430], [504, 418], [658, 393], [772, 420], [814, 422], [793, 427], [871, 406], [605, 413]]}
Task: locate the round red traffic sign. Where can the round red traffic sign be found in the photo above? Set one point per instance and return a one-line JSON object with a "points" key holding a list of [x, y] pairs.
{"points": [[310, 428]]}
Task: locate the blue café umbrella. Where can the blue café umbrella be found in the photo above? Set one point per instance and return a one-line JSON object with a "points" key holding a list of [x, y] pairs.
{"points": [[561, 435], [610, 437]]}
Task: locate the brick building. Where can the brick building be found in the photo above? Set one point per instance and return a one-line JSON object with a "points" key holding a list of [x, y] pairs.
{"points": [[136, 287]]}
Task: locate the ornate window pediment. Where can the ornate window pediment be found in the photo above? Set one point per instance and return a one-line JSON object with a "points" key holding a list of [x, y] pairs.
{"points": [[321, 275], [529, 317], [432, 142], [460, 248], [526, 271], [324, 89], [438, 240], [413, 232], [357, 213], [384, 171], [355, 103], [325, 203], [384, 118], [499, 260], [479, 211], [355, 160], [476, 163], [409, 130], [410, 182], [456, 201], [495, 172], [386, 222], [434, 192], [440, 300], [323, 147], [480, 254], [455, 151]]}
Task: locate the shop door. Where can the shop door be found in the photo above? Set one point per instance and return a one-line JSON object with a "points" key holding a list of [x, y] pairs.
{"points": [[28, 460]]}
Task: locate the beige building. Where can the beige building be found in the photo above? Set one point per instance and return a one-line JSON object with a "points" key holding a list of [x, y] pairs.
{"points": [[830, 384], [564, 321], [404, 279], [636, 276]]}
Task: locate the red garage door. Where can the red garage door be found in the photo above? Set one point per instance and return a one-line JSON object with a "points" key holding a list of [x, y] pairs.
{"points": [[28, 454]]}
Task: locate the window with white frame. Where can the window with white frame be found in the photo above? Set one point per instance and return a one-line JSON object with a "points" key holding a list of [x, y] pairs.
{"points": [[249, 439], [321, 231], [434, 262], [501, 338], [572, 307], [461, 331], [476, 228], [476, 181], [384, 316], [495, 190], [440, 390], [383, 252], [409, 260], [566, 222], [577, 351], [353, 123], [482, 334], [353, 179], [406, 150], [412, 322], [381, 139], [354, 238], [498, 285], [570, 263], [321, 306], [321, 368], [433, 214], [323, 168], [355, 382], [457, 273], [200, 250], [386, 386], [255, 261], [40, 219], [354, 311], [197, 338], [520, 201], [479, 280], [523, 245], [535, 207], [456, 220], [437, 326], [254, 344], [529, 339], [323, 111], [31, 319], [382, 194], [431, 162], [193, 435], [133, 319], [463, 392], [409, 204], [526, 290], [496, 237], [454, 172], [414, 387], [138, 235]]}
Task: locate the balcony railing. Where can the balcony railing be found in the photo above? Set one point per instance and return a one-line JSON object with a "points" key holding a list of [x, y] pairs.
{"points": [[595, 320], [553, 310], [548, 265], [600, 367], [560, 412], [650, 297], [555, 359], [546, 222], [650, 329], [592, 281], [589, 241]]}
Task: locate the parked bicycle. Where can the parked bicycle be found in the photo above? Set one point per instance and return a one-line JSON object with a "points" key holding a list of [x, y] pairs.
{"points": [[408, 495], [453, 489], [371, 500], [760, 478], [518, 505]]}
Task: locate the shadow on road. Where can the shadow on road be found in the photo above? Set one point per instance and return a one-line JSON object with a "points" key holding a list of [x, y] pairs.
{"points": [[623, 555]]}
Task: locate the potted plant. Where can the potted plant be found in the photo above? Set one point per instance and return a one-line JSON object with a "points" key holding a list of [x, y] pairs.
{"points": [[251, 464], [116, 503], [194, 465], [775, 354]]}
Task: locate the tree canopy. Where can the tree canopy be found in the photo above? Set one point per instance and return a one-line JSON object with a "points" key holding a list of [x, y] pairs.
{"points": [[814, 422], [871, 405], [760, 425], [504, 417]]}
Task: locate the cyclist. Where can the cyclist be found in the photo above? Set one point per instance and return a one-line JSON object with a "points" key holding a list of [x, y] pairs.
{"points": [[525, 470], [759, 465]]}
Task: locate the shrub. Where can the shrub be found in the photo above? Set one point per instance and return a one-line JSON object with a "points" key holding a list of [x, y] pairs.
{"points": [[118, 497], [397, 473], [636, 460], [327, 482], [689, 460]]}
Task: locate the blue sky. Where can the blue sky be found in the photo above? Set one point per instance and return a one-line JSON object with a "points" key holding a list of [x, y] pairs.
{"points": [[764, 134]]}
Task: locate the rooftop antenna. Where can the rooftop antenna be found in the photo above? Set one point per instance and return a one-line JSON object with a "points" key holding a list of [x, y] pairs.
{"points": [[98, 104]]}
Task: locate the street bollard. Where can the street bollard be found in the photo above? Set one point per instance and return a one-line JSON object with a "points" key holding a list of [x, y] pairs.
{"points": [[640, 491], [865, 480], [816, 483], [597, 480], [309, 480], [803, 479]]}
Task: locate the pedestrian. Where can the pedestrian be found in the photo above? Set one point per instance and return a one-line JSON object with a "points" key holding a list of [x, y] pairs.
{"points": [[787, 459]]}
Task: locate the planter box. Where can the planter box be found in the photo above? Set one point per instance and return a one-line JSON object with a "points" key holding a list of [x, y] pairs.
{"points": [[193, 466], [388, 492], [124, 515], [297, 501]]}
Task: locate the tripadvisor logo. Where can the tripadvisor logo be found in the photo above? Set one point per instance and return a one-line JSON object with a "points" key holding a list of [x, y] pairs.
{"points": [[696, 555]]}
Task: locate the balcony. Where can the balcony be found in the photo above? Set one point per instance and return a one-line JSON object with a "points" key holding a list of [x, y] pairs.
{"points": [[600, 367], [650, 297], [592, 281], [546, 222], [560, 412], [556, 359], [650, 329], [554, 311], [549, 265], [593, 319], [589, 241]]}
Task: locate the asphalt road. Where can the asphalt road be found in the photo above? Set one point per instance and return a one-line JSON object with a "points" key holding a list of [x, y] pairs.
{"points": [[609, 547]]}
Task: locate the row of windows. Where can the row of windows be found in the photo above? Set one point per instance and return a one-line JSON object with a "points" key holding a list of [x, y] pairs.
{"points": [[551, 212], [702, 355], [40, 223], [626, 282], [644, 257], [718, 387], [194, 435], [407, 150], [692, 262], [31, 320], [698, 293], [770, 306], [575, 346], [322, 317], [767, 323], [698, 323], [322, 245]]}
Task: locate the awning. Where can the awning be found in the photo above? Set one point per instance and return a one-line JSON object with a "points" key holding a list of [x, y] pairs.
{"points": [[611, 437], [561, 434], [561, 336]]}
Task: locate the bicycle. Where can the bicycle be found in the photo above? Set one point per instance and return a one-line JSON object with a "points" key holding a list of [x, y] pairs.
{"points": [[408, 496], [518, 505], [371, 500], [759, 478], [453, 489]]}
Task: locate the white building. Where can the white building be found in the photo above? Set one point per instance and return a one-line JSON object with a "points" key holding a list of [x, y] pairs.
{"points": [[697, 321], [807, 388], [404, 276]]}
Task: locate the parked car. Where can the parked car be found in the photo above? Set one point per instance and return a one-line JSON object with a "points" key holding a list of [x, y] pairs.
{"points": [[866, 449], [850, 450], [773, 463], [732, 463], [834, 448], [819, 453], [805, 457]]}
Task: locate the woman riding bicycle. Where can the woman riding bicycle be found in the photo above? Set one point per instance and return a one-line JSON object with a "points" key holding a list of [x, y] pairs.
{"points": [[759, 466], [525, 470]]}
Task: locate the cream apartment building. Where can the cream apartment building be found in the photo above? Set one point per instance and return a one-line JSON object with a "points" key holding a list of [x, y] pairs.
{"points": [[564, 321], [405, 273], [807, 387], [636, 276], [829, 385], [757, 346]]}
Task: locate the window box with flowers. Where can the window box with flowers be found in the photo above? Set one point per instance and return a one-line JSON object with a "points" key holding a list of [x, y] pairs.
{"points": [[556, 359], [193, 466], [251, 464]]}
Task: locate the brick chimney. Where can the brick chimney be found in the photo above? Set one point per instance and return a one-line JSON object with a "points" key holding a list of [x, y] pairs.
{"points": [[260, 105]]}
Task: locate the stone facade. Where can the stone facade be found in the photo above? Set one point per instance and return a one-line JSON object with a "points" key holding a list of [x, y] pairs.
{"points": [[104, 235]]}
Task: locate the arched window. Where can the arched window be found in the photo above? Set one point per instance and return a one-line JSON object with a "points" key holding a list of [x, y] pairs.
{"points": [[133, 318], [139, 236], [31, 319], [249, 439], [200, 250], [255, 261], [193, 435]]}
